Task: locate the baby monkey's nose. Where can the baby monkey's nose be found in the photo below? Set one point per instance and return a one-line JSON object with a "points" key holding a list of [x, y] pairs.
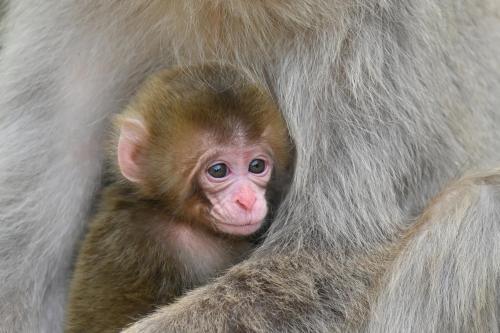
{"points": [[246, 198]]}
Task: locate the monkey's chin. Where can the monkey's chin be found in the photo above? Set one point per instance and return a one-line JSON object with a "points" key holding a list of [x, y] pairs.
{"points": [[239, 229]]}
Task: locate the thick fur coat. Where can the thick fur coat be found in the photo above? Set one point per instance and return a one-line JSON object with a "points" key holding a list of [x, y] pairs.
{"points": [[387, 101]]}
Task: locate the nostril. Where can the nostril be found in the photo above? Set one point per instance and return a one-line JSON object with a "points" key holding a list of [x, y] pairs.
{"points": [[246, 202]]}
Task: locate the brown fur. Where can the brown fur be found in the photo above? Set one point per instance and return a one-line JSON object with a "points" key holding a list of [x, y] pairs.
{"points": [[133, 258]]}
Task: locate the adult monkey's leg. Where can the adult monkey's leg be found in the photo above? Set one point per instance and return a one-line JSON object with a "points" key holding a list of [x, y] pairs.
{"points": [[447, 277]]}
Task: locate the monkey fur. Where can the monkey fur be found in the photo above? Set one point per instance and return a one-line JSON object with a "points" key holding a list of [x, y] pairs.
{"points": [[389, 103], [152, 238]]}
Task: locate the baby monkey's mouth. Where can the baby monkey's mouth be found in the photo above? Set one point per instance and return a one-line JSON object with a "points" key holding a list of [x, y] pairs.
{"points": [[241, 229]]}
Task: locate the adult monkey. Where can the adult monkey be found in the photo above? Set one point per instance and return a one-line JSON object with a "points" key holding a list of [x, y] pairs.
{"points": [[387, 102]]}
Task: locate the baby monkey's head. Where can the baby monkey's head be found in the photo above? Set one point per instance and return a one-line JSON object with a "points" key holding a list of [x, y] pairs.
{"points": [[206, 143]]}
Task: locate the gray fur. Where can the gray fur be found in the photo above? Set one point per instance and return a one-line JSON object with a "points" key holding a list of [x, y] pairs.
{"points": [[387, 102], [453, 284]]}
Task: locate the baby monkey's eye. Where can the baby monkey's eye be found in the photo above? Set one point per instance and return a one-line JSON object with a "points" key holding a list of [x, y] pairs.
{"points": [[218, 170], [257, 166]]}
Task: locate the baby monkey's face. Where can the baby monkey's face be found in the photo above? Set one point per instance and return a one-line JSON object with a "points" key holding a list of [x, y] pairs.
{"points": [[234, 179]]}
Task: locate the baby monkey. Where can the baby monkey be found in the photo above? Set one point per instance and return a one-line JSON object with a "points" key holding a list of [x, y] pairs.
{"points": [[200, 152]]}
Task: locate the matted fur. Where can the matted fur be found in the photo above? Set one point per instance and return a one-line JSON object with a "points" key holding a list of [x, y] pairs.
{"points": [[387, 101]]}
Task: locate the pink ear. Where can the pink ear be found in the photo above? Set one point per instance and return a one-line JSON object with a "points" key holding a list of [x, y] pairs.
{"points": [[132, 137]]}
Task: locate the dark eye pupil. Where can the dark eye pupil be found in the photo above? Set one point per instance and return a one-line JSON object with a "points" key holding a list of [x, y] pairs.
{"points": [[218, 170], [257, 166]]}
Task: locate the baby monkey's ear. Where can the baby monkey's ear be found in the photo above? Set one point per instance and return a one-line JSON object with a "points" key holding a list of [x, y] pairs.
{"points": [[132, 140]]}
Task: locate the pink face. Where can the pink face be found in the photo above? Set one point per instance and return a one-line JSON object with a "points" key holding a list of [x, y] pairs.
{"points": [[234, 179]]}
